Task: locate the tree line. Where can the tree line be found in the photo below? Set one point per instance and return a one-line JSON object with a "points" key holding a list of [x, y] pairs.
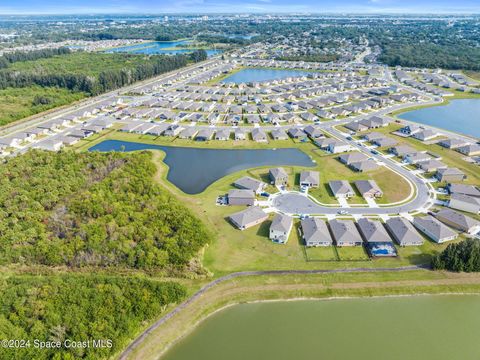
{"points": [[16, 56], [106, 80], [462, 256]]}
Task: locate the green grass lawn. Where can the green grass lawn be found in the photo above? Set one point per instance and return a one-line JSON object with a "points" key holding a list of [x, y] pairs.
{"points": [[18, 103]]}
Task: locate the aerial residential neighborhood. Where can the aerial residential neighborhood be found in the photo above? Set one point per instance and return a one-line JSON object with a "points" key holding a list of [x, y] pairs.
{"points": [[177, 179]]}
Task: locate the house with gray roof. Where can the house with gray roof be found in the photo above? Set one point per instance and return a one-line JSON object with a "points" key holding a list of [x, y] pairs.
{"points": [[352, 157], [310, 178], [249, 183], [240, 134], [249, 217], [345, 233], [401, 150], [452, 143], [204, 134], [403, 232], [465, 203], [279, 134], [313, 131], [377, 240], [315, 232], [385, 141], [259, 135], [280, 228], [469, 150], [222, 134], [364, 166], [450, 174], [416, 157], [278, 176], [338, 146], [324, 143], [188, 133], [341, 189], [241, 197], [431, 165], [368, 188], [297, 133], [458, 221], [434, 229], [469, 190]]}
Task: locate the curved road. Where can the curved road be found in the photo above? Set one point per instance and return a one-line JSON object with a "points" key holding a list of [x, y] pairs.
{"points": [[128, 350]]}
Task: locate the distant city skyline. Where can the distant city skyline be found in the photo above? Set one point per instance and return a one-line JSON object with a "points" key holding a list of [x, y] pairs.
{"points": [[237, 6]]}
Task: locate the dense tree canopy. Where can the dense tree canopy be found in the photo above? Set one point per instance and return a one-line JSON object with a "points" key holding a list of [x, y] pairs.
{"points": [[78, 308], [463, 256], [92, 209]]}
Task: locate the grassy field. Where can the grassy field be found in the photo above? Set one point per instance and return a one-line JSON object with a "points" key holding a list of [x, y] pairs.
{"points": [[18, 103], [257, 288]]}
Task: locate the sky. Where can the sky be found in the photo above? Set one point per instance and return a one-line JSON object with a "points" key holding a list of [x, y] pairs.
{"points": [[236, 6]]}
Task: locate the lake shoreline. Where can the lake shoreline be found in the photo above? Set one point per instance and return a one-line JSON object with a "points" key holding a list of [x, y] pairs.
{"points": [[299, 299]]}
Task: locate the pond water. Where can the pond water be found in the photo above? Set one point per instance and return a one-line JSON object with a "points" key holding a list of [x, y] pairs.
{"points": [[424, 327], [159, 47], [462, 116], [193, 169], [257, 75]]}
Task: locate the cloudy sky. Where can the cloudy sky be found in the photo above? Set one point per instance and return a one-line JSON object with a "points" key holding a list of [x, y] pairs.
{"points": [[230, 6]]}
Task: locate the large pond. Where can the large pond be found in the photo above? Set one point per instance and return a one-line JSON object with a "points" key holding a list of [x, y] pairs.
{"points": [[258, 75], [159, 47], [462, 116], [425, 327], [193, 169]]}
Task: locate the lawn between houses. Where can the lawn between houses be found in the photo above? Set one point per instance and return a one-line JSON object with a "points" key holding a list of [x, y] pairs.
{"points": [[234, 250]]}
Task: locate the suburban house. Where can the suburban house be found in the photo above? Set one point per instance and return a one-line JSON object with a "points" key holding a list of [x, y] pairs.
{"points": [[280, 228], [403, 232], [341, 189], [310, 178], [364, 166], [469, 150], [458, 221], [431, 165], [51, 145], [338, 146], [313, 131], [250, 183], [241, 197], [434, 229], [465, 203], [378, 242], [204, 135], [249, 217], [352, 157], [240, 134], [401, 150], [463, 189], [259, 135], [410, 130], [452, 143], [368, 188], [345, 233], [315, 232], [425, 135], [416, 157], [278, 176], [222, 134], [450, 174], [279, 134], [297, 133], [188, 133], [325, 143], [385, 141]]}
